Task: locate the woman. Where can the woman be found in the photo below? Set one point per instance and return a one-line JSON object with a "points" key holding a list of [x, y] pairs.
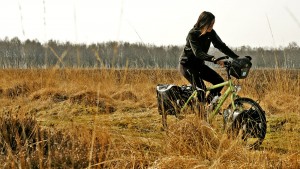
{"points": [[192, 65]]}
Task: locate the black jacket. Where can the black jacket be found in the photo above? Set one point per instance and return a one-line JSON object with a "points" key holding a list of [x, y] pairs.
{"points": [[197, 46]]}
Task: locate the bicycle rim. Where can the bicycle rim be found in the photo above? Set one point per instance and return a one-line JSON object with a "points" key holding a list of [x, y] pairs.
{"points": [[250, 124]]}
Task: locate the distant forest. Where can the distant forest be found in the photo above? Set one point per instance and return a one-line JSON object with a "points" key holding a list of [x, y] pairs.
{"points": [[33, 54]]}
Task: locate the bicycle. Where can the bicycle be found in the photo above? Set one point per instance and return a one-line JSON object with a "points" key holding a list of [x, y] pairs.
{"points": [[242, 117]]}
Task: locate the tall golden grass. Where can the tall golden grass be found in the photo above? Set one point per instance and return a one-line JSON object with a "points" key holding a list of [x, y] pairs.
{"points": [[107, 118]]}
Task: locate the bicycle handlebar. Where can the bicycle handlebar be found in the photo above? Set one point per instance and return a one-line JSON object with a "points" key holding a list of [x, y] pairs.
{"points": [[221, 58], [227, 57], [227, 64]]}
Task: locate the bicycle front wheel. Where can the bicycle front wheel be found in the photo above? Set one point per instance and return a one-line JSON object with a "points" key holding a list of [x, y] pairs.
{"points": [[249, 122]]}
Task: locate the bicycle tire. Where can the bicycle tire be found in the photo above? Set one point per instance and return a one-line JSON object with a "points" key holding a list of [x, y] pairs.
{"points": [[250, 123]]}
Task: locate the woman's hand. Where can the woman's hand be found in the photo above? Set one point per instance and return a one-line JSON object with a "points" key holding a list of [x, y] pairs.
{"points": [[221, 63]]}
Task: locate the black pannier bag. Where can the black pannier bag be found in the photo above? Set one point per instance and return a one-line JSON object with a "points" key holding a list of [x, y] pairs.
{"points": [[240, 67], [171, 98]]}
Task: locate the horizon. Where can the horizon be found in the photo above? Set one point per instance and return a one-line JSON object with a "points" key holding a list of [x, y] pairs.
{"points": [[146, 44]]}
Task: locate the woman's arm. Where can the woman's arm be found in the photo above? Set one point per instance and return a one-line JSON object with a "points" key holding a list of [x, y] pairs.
{"points": [[219, 44]]}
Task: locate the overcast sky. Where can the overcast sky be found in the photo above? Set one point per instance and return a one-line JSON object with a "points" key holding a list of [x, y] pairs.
{"points": [[257, 23]]}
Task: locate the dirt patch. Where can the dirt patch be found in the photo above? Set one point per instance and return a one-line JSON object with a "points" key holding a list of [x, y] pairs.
{"points": [[17, 90], [1, 92], [90, 98], [125, 95], [48, 93]]}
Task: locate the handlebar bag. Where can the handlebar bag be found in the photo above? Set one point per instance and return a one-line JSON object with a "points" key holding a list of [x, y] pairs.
{"points": [[240, 67]]}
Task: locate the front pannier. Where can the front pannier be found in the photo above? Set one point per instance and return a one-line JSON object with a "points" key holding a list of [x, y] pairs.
{"points": [[240, 67]]}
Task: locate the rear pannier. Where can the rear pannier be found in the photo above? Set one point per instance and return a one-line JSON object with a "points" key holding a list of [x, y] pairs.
{"points": [[171, 98]]}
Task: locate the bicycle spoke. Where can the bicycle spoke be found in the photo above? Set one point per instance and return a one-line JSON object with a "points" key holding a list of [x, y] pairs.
{"points": [[250, 123]]}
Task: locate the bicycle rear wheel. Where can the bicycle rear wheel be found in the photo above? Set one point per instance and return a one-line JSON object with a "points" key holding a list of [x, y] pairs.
{"points": [[249, 122]]}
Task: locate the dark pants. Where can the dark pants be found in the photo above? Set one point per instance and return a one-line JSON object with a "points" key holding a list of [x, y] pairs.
{"points": [[195, 74]]}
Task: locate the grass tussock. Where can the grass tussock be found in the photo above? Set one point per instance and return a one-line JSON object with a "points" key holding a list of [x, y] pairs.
{"points": [[107, 118], [193, 137], [25, 144]]}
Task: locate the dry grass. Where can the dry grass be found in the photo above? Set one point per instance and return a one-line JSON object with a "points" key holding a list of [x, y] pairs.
{"points": [[85, 118]]}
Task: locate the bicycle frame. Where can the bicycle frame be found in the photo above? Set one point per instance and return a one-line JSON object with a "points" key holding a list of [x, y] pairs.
{"points": [[229, 91]]}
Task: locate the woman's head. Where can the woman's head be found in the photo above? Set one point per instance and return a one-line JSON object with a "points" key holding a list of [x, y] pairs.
{"points": [[205, 22]]}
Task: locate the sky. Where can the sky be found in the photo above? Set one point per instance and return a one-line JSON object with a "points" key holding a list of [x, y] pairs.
{"points": [[255, 23]]}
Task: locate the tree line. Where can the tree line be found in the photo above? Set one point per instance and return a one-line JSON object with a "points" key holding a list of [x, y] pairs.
{"points": [[33, 54]]}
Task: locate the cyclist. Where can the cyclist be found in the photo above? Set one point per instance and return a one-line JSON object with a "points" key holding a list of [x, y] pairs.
{"points": [[192, 65]]}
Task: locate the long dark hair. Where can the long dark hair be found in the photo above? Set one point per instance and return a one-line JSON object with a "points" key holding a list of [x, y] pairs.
{"points": [[204, 19]]}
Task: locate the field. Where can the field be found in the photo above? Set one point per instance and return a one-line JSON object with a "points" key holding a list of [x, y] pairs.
{"points": [[107, 118]]}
